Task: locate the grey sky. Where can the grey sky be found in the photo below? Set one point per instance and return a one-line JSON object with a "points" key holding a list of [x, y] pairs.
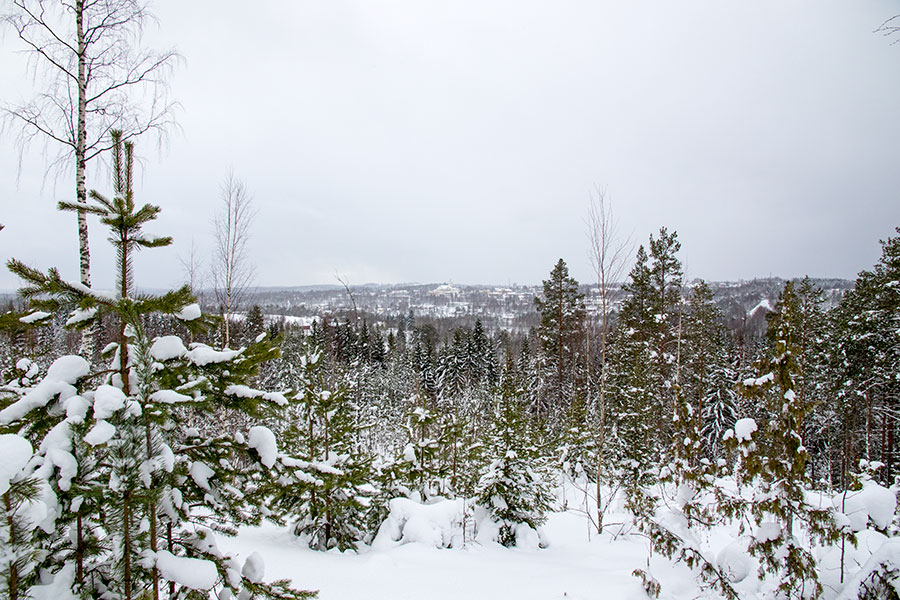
{"points": [[425, 141]]}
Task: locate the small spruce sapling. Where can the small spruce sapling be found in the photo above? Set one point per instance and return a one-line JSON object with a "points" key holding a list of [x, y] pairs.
{"points": [[323, 478], [777, 468], [511, 487]]}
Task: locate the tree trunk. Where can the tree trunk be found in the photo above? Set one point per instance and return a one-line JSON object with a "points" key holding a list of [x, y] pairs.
{"points": [[868, 426], [126, 518], [604, 324], [123, 341], [151, 513], [889, 452], [171, 544], [559, 354], [13, 582], [79, 551], [84, 252]]}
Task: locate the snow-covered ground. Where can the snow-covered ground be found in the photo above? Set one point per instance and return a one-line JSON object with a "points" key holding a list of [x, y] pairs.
{"points": [[571, 567], [576, 563]]}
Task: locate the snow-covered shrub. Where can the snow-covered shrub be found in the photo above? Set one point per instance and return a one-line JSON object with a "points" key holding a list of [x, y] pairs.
{"points": [[440, 524], [773, 464], [512, 488], [323, 483]]}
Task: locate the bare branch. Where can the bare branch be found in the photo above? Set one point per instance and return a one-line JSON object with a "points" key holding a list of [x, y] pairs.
{"points": [[232, 271], [344, 282], [608, 254], [890, 27], [115, 74]]}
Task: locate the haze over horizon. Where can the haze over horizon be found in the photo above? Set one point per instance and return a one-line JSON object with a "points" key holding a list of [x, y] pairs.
{"points": [[397, 142]]}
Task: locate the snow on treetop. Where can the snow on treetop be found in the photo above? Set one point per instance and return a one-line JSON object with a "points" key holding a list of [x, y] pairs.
{"points": [[200, 473], [194, 573], [263, 441], [102, 295], [100, 433], [167, 347], [35, 317], [16, 451], [243, 391], [254, 568], [168, 397], [68, 368], [202, 355], [78, 315], [107, 400], [744, 429], [59, 381], [59, 588], [767, 378], [189, 312], [57, 450]]}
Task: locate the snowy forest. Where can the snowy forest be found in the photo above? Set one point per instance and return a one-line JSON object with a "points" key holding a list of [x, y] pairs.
{"points": [[634, 442]]}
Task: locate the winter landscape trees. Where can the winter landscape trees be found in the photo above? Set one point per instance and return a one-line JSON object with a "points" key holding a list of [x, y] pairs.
{"points": [[95, 78], [679, 442], [232, 270], [122, 472], [134, 459]]}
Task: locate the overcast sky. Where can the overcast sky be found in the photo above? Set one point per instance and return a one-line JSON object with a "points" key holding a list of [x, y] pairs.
{"points": [[430, 141]]}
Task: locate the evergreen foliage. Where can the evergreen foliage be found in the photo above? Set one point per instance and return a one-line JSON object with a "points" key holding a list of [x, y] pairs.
{"points": [[776, 468], [324, 478], [116, 455], [512, 486], [560, 334], [707, 374], [634, 408]]}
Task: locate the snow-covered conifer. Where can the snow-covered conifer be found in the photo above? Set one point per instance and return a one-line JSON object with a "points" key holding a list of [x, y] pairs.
{"points": [[512, 487], [776, 464], [324, 479], [561, 332], [121, 457]]}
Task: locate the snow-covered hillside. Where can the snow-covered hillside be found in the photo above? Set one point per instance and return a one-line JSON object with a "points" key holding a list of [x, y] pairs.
{"points": [[576, 563]]}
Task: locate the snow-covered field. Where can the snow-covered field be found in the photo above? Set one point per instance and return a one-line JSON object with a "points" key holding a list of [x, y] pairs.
{"points": [[576, 563], [572, 566]]}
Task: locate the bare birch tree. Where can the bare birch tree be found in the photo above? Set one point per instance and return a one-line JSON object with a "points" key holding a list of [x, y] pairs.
{"points": [[85, 57], [232, 271], [192, 267], [608, 253]]}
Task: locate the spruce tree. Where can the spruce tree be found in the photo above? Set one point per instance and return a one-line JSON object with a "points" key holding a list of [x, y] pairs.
{"points": [[512, 487], [18, 489], [255, 324], [707, 376], [665, 324], [777, 471], [560, 333], [635, 412], [323, 484], [866, 350]]}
